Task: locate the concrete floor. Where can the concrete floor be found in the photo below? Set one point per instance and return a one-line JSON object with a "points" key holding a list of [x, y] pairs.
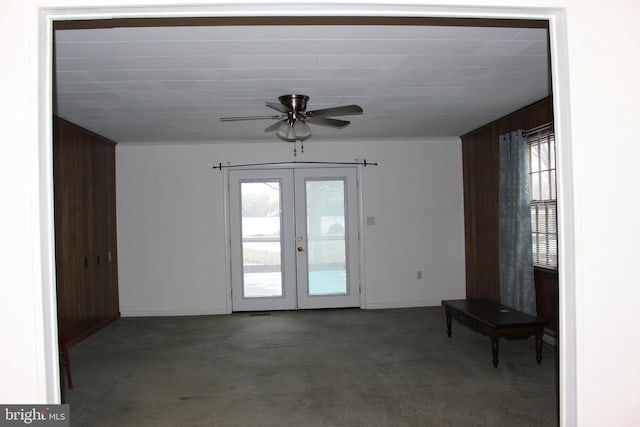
{"points": [[345, 367]]}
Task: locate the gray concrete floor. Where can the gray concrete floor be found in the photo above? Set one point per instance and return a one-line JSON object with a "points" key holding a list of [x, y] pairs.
{"points": [[344, 367]]}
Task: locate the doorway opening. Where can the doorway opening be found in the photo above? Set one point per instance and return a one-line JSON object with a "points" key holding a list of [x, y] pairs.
{"points": [[564, 114]]}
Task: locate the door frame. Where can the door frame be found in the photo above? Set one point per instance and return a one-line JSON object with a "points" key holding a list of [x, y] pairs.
{"points": [[41, 16], [293, 165]]}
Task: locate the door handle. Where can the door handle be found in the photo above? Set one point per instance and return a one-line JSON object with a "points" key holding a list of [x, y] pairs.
{"points": [[300, 249]]}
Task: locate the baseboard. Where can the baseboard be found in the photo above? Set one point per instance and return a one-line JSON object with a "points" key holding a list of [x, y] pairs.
{"points": [[70, 342], [170, 313], [402, 304]]}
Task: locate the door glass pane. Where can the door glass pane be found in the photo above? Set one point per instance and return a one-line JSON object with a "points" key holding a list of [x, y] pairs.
{"points": [[326, 243], [261, 239]]}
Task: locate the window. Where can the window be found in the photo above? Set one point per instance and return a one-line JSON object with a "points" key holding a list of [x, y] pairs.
{"points": [[542, 187]]}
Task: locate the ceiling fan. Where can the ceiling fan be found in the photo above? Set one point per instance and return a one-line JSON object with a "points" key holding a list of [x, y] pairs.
{"points": [[293, 118]]}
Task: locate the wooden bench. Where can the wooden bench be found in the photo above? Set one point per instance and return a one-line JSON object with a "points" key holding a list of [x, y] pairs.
{"points": [[495, 321]]}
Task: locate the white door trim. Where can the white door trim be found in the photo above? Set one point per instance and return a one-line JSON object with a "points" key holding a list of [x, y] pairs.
{"points": [[287, 174]]}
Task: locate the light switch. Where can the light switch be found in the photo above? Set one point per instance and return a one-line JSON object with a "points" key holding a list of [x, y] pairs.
{"points": [[371, 220]]}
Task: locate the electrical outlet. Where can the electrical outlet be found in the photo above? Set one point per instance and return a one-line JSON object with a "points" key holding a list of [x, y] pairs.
{"points": [[419, 274]]}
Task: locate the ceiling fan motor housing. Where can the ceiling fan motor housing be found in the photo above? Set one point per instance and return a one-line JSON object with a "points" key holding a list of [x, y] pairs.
{"points": [[295, 103]]}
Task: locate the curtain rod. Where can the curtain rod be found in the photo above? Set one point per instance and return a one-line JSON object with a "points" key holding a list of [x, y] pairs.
{"points": [[364, 163], [539, 128]]}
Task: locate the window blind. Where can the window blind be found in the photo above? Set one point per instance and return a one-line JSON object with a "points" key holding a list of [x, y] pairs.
{"points": [[542, 191]]}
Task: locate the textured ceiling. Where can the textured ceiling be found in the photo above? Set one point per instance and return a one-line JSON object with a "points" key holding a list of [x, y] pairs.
{"points": [[173, 83]]}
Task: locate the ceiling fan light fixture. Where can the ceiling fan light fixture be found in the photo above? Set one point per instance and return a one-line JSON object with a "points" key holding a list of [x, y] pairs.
{"points": [[301, 130], [292, 131], [284, 130]]}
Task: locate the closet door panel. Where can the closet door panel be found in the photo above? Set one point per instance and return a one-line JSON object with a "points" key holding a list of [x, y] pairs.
{"points": [[99, 260]]}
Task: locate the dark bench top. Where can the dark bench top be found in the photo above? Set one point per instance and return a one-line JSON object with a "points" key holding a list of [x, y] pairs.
{"points": [[493, 314]]}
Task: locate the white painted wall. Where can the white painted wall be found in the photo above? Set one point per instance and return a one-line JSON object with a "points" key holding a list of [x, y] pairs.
{"points": [[171, 250], [171, 222], [596, 103], [604, 69], [416, 197]]}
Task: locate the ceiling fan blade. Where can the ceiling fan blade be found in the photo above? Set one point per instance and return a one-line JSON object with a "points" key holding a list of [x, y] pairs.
{"points": [[346, 110], [326, 121], [274, 126], [277, 107], [235, 119]]}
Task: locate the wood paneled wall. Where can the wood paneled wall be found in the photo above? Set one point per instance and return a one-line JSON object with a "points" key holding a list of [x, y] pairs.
{"points": [[85, 226], [480, 159], [547, 296]]}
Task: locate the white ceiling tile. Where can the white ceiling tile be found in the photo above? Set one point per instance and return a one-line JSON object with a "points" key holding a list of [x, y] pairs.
{"points": [[88, 35], [426, 73], [511, 61], [83, 50], [473, 72], [275, 61], [148, 75], [445, 33], [181, 85], [74, 77], [501, 47], [375, 60], [458, 47], [535, 48], [91, 96], [533, 34], [523, 73], [495, 33], [84, 64], [352, 73]]}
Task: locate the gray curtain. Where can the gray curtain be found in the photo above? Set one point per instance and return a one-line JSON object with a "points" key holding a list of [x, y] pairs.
{"points": [[517, 288]]}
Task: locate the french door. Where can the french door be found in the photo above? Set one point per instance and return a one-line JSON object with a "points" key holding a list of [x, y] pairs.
{"points": [[294, 238]]}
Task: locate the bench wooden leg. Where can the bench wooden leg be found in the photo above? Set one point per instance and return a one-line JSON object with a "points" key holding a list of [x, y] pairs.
{"points": [[539, 333], [494, 351]]}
